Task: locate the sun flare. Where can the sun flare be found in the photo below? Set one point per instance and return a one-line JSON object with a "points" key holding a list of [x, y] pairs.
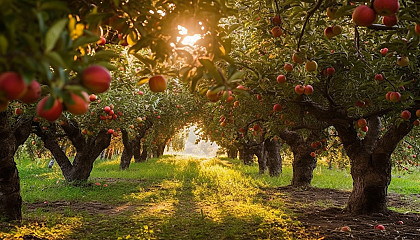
{"points": [[186, 39]]}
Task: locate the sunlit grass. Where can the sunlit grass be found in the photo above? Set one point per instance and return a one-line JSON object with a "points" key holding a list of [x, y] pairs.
{"points": [[170, 198]]}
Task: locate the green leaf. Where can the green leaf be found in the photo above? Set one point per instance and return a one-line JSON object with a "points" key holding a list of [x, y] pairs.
{"points": [[209, 65], [55, 59], [54, 5], [3, 44], [53, 34], [105, 55], [49, 103], [85, 40]]}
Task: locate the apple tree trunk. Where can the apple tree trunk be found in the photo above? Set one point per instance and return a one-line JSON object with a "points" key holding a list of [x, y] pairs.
{"points": [[272, 157], [88, 149], [11, 137], [261, 154], [144, 156], [232, 152], [246, 155]]}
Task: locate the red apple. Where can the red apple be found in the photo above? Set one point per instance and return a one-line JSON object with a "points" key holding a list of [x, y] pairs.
{"points": [[346, 229], [256, 127], [364, 129], [416, 122], [230, 99], [337, 30], [101, 41], [417, 29], [308, 90], [390, 20], [92, 97], [18, 111], [52, 113], [276, 31], [361, 123], [297, 58], [107, 109], [110, 131], [299, 89], [313, 154], [379, 77], [277, 107], [96, 78], [384, 51], [288, 67], [281, 78], [276, 20], [379, 227], [157, 83], [363, 16], [328, 32], [259, 97], [330, 71], [12, 85], [386, 7], [80, 104], [140, 93], [395, 97], [406, 115], [32, 94], [236, 104], [418, 113], [212, 96]]}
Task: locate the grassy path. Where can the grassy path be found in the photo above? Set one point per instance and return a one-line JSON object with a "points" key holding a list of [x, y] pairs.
{"points": [[168, 198]]}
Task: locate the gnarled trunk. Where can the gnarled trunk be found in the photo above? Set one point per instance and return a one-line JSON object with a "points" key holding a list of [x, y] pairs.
{"points": [[10, 139], [88, 149], [303, 163], [261, 154], [273, 157], [246, 155], [144, 156], [370, 160]]}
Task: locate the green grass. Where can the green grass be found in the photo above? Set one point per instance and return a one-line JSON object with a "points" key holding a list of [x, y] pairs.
{"points": [[169, 198]]}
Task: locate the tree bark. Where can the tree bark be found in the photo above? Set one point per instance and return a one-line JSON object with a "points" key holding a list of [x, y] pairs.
{"points": [[273, 157], [88, 149], [232, 152], [128, 151], [10, 139], [303, 163], [144, 156], [261, 154], [246, 155]]}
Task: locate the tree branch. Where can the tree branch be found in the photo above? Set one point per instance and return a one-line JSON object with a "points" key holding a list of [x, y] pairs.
{"points": [[308, 16]]}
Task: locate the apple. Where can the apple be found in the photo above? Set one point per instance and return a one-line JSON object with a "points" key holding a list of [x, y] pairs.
{"points": [[84, 132], [379, 77], [363, 16], [403, 61], [337, 30], [311, 66], [386, 7], [256, 127], [365, 129], [384, 51], [92, 97], [230, 99], [276, 20], [140, 93], [12, 85], [308, 90], [52, 113], [299, 89], [417, 29], [296, 58], [418, 113], [328, 32], [281, 79], [346, 229], [379, 227], [331, 12], [241, 87], [416, 122], [259, 97], [277, 107], [236, 104], [390, 20], [111, 112], [400, 222], [406, 115], [101, 41], [242, 130], [223, 124], [157, 83], [361, 123], [314, 145], [330, 71], [276, 31], [288, 67], [96, 79], [313, 154], [107, 109], [18, 111], [395, 97], [110, 131], [212, 96], [80, 104], [32, 94]]}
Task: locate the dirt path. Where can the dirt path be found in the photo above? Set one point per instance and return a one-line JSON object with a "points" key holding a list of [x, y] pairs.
{"points": [[322, 211]]}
